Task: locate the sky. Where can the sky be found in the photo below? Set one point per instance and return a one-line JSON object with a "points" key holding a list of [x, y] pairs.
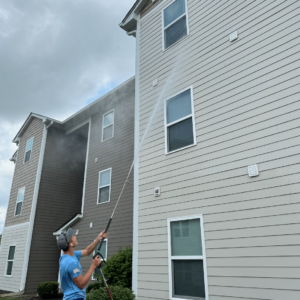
{"points": [[56, 56]]}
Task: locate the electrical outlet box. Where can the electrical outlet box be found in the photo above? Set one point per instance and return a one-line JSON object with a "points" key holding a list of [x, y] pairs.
{"points": [[91, 225], [154, 82], [96, 159], [253, 170], [157, 192], [233, 36]]}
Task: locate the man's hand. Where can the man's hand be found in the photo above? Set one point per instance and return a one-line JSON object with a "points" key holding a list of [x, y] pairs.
{"points": [[101, 235], [96, 261]]}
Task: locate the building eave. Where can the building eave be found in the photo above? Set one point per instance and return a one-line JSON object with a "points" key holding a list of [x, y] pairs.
{"points": [[130, 20], [68, 224], [28, 121]]}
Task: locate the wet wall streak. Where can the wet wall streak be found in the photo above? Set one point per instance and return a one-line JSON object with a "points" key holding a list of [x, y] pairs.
{"points": [[59, 199]]}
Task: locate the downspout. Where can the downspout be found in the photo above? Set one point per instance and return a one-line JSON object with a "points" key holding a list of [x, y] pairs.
{"points": [[33, 207]]}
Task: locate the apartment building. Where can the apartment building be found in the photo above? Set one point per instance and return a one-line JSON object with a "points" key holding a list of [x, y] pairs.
{"points": [[216, 190], [68, 174]]}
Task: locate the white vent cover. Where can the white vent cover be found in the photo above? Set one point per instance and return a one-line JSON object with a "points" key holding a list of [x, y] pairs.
{"points": [[233, 36], [154, 82], [157, 192], [253, 171], [91, 225]]}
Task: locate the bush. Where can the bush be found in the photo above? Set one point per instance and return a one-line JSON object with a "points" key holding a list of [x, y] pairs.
{"points": [[118, 293], [48, 289], [118, 269], [94, 286]]}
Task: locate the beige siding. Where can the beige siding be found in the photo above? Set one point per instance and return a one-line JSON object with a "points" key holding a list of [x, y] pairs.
{"points": [[246, 101], [13, 236], [25, 174], [149, 6]]}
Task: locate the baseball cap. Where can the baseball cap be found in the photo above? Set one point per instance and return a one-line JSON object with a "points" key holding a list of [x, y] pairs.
{"points": [[64, 239]]}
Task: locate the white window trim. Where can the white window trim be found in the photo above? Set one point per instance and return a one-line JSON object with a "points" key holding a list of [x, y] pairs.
{"points": [[163, 25], [24, 187], [104, 186], [113, 124], [7, 260], [170, 257], [105, 240], [28, 150], [179, 120]]}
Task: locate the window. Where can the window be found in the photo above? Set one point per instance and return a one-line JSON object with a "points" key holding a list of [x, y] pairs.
{"points": [[20, 199], [179, 121], [10, 260], [108, 126], [175, 23], [28, 150], [187, 261], [104, 186], [103, 251]]}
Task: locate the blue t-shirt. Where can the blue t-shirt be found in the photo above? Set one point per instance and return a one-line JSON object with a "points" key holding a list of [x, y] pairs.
{"points": [[70, 268]]}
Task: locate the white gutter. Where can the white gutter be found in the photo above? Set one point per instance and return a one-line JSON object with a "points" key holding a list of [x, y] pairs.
{"points": [[70, 223]]}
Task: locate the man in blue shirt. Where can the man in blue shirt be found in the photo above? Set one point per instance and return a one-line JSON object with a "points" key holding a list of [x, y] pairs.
{"points": [[72, 282]]}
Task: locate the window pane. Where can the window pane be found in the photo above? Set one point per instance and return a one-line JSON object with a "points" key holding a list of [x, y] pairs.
{"points": [[21, 193], [180, 135], [188, 278], [174, 11], [175, 32], [108, 132], [108, 119], [179, 106], [29, 144], [104, 194], [186, 238], [27, 156], [9, 268], [11, 253], [19, 208], [105, 178]]}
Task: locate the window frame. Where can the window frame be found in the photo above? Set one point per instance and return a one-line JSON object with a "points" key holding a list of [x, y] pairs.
{"points": [[98, 194], [28, 150], [113, 124], [163, 25], [171, 258], [105, 240], [24, 187], [179, 120], [9, 260]]}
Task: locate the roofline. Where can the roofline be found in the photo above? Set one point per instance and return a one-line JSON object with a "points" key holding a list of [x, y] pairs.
{"points": [[49, 120], [98, 100], [71, 222], [132, 14]]}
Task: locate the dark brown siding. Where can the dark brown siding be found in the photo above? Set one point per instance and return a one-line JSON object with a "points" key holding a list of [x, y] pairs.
{"points": [[116, 153], [60, 198], [149, 6]]}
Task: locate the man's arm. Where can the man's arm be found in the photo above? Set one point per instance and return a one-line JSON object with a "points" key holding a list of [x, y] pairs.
{"points": [[89, 250], [82, 281]]}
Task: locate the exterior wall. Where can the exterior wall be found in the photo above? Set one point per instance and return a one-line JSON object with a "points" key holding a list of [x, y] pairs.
{"points": [[16, 235], [115, 153], [59, 199], [149, 6], [25, 174], [246, 101]]}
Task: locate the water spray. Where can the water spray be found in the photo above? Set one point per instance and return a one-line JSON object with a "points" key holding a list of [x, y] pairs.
{"points": [[126, 181]]}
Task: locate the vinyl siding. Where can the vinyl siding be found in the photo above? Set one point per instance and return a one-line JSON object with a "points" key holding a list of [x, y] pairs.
{"points": [[149, 6], [116, 153], [13, 236], [246, 102], [25, 174], [59, 199]]}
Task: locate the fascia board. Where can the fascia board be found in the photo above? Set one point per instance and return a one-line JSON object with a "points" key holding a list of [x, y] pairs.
{"points": [[73, 221]]}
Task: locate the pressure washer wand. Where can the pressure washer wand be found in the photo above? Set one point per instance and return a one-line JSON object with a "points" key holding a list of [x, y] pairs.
{"points": [[110, 220]]}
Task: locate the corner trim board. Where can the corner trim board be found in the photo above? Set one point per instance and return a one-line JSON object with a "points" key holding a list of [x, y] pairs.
{"points": [[33, 210]]}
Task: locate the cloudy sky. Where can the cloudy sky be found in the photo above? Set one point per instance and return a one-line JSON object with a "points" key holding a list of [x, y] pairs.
{"points": [[56, 56]]}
